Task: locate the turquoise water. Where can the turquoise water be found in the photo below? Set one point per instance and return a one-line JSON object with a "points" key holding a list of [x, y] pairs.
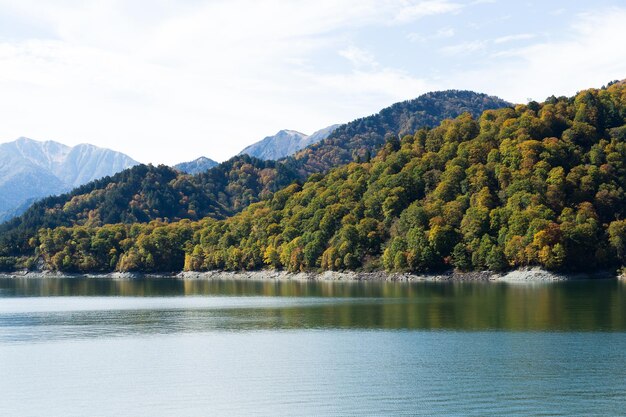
{"points": [[166, 347]]}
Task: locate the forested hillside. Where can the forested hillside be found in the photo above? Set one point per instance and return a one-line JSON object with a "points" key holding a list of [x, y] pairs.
{"points": [[361, 138], [538, 184], [144, 193], [147, 193]]}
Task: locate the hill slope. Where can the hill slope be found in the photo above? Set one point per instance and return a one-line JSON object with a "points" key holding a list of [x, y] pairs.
{"points": [[538, 184], [361, 138], [222, 190], [542, 184]]}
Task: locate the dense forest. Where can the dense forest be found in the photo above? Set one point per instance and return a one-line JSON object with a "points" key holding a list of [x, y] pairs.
{"points": [[537, 184], [361, 138], [145, 193]]}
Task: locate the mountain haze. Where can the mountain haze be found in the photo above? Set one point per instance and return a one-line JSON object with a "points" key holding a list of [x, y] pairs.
{"points": [[196, 166], [31, 169], [285, 143]]}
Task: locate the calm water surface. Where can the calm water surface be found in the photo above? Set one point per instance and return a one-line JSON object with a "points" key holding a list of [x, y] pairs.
{"points": [[168, 347]]}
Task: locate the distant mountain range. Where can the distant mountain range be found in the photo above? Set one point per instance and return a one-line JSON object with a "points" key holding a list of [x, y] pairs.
{"points": [[285, 143], [196, 166], [452, 179], [31, 169], [271, 148], [144, 193]]}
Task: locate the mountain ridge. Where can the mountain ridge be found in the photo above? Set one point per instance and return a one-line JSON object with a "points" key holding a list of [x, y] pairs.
{"points": [[360, 138], [285, 143], [146, 193], [34, 169], [196, 166], [535, 185]]}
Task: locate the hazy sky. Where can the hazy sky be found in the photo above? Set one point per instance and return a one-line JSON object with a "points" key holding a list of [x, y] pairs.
{"points": [[168, 81]]}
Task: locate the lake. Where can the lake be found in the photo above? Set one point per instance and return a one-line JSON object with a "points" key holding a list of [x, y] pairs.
{"points": [[170, 347]]}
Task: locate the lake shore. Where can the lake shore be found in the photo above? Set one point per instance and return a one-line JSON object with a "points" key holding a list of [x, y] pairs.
{"points": [[520, 275]]}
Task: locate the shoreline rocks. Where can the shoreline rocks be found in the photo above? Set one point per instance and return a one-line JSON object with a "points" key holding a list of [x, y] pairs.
{"points": [[515, 276]]}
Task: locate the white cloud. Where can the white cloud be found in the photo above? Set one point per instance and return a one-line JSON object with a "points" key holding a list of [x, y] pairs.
{"points": [[442, 33], [168, 81], [358, 57], [425, 8], [382, 83], [210, 77], [464, 48], [591, 55], [513, 38]]}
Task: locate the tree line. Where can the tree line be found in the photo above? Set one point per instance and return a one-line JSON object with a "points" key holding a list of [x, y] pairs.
{"points": [[145, 193], [537, 184]]}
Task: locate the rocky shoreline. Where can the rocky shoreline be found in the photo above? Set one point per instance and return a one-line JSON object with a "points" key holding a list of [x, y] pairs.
{"points": [[520, 275]]}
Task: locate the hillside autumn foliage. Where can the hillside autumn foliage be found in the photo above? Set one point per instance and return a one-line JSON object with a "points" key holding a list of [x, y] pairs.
{"points": [[147, 193], [538, 184]]}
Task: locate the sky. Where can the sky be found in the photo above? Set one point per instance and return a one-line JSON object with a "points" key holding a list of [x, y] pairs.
{"points": [[169, 81]]}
